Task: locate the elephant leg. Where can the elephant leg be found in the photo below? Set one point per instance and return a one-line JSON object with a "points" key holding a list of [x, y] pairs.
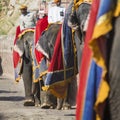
{"points": [[113, 103], [36, 88], [70, 99], [59, 103], [66, 104], [27, 80], [63, 103], [47, 100]]}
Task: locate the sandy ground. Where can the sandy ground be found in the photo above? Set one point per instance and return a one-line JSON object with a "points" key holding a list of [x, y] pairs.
{"points": [[11, 105]]}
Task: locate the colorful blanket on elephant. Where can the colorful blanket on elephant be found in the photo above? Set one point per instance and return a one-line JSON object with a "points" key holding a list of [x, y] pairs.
{"points": [[63, 65], [93, 88], [41, 25], [17, 62], [16, 56]]}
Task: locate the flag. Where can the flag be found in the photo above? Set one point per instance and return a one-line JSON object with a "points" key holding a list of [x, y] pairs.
{"points": [[93, 87]]}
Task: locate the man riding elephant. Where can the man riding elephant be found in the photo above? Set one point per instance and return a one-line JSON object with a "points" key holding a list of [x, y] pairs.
{"points": [[27, 19], [24, 52]]}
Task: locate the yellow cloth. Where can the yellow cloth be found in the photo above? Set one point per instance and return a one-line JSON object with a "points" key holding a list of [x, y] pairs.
{"points": [[88, 1]]}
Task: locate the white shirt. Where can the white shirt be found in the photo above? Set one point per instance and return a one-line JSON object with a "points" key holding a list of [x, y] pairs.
{"points": [[56, 14], [27, 21]]}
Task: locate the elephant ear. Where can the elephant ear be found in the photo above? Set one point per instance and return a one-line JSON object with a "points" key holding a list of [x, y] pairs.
{"points": [[19, 47], [47, 41], [16, 55]]}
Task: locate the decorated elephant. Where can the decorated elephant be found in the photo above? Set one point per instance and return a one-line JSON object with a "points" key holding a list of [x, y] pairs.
{"points": [[48, 44], [77, 20], [112, 111], [26, 67], [47, 99], [45, 45], [104, 96]]}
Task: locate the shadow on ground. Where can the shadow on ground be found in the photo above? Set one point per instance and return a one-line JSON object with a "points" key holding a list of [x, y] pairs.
{"points": [[69, 114], [4, 91], [2, 117], [11, 98]]}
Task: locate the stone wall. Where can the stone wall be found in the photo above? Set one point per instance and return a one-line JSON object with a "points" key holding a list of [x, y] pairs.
{"points": [[4, 7]]}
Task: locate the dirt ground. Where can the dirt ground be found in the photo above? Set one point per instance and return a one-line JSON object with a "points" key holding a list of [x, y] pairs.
{"points": [[11, 105]]}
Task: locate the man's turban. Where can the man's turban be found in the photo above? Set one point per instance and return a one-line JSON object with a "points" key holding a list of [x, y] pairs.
{"points": [[23, 7], [55, 1]]}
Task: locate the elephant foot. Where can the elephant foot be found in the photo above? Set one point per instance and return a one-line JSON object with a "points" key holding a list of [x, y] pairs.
{"points": [[37, 102], [45, 106], [66, 107], [48, 101], [59, 107], [37, 105], [29, 102]]}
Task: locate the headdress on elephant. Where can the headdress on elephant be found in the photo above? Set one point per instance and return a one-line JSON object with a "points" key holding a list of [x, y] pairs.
{"points": [[22, 7]]}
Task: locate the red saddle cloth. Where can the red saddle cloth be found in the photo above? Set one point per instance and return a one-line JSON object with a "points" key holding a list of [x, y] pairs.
{"points": [[41, 25]]}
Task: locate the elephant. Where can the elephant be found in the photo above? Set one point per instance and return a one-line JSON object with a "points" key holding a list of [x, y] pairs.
{"points": [[46, 46], [78, 21], [47, 40], [112, 105], [112, 109], [24, 47]]}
